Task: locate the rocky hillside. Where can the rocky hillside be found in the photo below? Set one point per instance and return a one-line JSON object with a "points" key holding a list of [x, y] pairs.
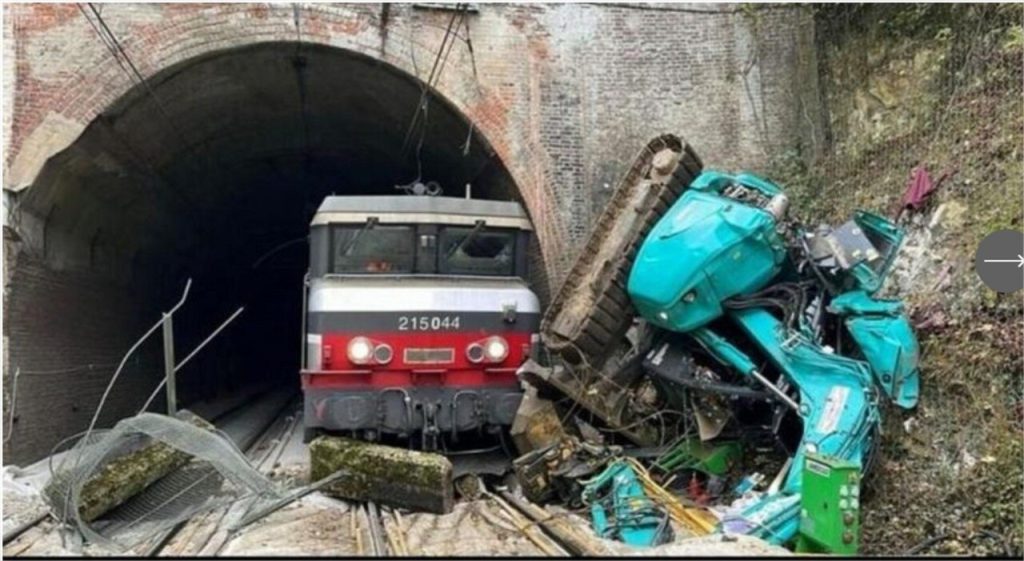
{"points": [[936, 87]]}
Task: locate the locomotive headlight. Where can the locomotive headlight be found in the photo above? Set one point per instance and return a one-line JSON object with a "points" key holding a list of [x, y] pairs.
{"points": [[475, 352], [495, 349], [360, 350], [382, 354]]}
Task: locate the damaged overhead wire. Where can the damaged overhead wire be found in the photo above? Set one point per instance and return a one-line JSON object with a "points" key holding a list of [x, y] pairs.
{"points": [[117, 50], [440, 60]]}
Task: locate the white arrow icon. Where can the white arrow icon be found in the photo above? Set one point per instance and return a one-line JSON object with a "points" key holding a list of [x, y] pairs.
{"points": [[1019, 261]]}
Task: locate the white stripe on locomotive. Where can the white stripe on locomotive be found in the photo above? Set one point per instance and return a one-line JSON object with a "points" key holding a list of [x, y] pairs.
{"points": [[398, 295]]}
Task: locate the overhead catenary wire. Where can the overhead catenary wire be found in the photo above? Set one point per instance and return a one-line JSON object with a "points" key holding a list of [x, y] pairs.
{"points": [[128, 66], [425, 85], [422, 104], [118, 52]]}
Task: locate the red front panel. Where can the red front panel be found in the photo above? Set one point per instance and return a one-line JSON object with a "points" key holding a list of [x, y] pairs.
{"points": [[338, 372]]}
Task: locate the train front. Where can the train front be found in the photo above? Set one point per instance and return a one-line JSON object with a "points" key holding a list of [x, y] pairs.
{"points": [[417, 317]]}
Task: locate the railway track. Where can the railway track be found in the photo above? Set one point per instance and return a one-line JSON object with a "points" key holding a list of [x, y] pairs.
{"points": [[496, 523], [263, 447]]}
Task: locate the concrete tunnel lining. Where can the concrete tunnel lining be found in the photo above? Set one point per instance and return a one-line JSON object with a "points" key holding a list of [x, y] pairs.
{"points": [[223, 163]]}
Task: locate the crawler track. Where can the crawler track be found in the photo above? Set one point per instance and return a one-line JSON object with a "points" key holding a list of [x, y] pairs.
{"points": [[592, 310], [586, 323]]}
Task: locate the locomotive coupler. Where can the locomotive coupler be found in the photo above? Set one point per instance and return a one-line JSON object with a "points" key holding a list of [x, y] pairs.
{"points": [[430, 428]]}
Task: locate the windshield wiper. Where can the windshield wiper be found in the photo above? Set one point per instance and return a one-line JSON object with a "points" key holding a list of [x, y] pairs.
{"points": [[370, 223], [469, 237]]}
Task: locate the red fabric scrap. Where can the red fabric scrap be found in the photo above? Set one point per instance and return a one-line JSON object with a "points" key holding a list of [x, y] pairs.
{"points": [[918, 188]]}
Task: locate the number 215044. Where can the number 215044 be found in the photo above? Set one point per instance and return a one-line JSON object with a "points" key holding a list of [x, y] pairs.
{"points": [[427, 323]]}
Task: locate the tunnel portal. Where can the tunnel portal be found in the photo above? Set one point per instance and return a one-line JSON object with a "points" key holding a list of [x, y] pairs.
{"points": [[210, 171]]}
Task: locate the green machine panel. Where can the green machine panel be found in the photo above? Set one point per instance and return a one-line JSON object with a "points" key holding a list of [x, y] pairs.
{"points": [[830, 506]]}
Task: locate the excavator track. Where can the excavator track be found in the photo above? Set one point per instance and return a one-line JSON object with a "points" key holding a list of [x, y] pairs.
{"points": [[586, 323], [592, 310]]}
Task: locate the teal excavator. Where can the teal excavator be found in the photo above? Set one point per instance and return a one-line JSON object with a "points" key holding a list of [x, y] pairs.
{"points": [[701, 284]]}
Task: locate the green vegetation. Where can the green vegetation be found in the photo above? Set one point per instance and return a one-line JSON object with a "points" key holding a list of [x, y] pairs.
{"points": [[938, 86]]}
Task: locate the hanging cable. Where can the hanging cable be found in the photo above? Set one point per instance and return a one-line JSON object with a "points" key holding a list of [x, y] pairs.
{"points": [[476, 81], [119, 54], [437, 79], [117, 51], [447, 42]]}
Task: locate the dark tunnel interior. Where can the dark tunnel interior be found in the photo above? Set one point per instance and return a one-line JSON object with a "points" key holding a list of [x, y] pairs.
{"points": [[214, 173]]}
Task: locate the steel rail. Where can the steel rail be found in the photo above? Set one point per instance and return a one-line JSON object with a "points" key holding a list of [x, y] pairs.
{"points": [[248, 444]]}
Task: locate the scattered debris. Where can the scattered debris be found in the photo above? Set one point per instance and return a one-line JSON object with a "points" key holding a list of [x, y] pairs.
{"points": [[621, 510], [536, 424], [121, 478], [919, 188], [556, 471], [579, 543], [147, 474], [469, 486], [693, 454], [700, 313], [909, 424], [697, 521]]}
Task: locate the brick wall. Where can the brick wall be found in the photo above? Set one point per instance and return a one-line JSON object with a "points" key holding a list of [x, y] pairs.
{"points": [[65, 332], [564, 93]]}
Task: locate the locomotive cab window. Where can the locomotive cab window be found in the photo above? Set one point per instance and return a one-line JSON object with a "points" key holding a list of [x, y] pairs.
{"points": [[372, 248], [477, 251]]}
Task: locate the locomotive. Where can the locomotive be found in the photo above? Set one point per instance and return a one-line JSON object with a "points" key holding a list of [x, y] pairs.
{"points": [[417, 315]]}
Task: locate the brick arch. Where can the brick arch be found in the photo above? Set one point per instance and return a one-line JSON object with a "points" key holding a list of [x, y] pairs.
{"points": [[57, 111]]}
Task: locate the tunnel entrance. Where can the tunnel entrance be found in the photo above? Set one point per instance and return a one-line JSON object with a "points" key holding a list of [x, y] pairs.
{"points": [[211, 171]]}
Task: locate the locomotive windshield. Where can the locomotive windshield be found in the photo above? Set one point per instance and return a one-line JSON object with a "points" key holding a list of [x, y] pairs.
{"points": [[428, 236], [373, 249], [477, 251], [425, 249]]}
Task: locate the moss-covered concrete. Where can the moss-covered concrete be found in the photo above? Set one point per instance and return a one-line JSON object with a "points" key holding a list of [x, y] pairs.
{"points": [[384, 474], [125, 476]]}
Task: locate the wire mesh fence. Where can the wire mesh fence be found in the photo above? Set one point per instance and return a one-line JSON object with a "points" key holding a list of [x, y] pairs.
{"points": [[123, 486]]}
